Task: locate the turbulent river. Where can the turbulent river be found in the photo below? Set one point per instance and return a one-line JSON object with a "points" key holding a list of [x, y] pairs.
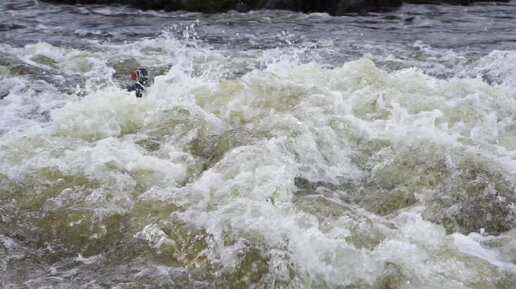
{"points": [[273, 150]]}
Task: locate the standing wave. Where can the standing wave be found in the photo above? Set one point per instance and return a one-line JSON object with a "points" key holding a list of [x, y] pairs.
{"points": [[287, 174]]}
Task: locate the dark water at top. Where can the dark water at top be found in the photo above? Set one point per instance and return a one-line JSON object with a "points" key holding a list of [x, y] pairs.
{"points": [[479, 28]]}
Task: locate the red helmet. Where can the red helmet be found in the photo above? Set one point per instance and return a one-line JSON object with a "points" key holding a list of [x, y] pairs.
{"points": [[141, 75]]}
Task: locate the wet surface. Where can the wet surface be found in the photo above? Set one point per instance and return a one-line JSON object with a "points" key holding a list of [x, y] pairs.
{"points": [[479, 27], [273, 149]]}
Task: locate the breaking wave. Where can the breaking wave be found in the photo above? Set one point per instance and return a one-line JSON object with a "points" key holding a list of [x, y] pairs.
{"points": [[252, 169]]}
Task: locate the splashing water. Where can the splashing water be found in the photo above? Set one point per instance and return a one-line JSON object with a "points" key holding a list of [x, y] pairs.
{"points": [[271, 167]]}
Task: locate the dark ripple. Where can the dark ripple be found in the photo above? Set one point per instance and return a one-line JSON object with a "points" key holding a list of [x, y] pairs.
{"points": [[482, 27]]}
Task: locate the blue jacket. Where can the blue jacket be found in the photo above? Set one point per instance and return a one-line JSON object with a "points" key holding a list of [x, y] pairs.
{"points": [[138, 87]]}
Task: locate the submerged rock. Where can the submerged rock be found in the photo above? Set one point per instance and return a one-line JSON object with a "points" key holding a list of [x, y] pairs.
{"points": [[333, 7], [461, 191], [454, 2]]}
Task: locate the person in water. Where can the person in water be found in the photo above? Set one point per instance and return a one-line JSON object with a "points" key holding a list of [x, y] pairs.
{"points": [[141, 78]]}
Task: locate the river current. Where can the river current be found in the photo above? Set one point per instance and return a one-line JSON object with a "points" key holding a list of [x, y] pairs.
{"points": [[273, 150]]}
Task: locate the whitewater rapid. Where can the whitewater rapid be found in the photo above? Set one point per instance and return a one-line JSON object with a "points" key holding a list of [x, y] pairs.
{"points": [[271, 167]]}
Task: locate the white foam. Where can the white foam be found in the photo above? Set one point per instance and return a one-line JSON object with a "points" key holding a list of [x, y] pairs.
{"points": [[471, 245], [302, 121]]}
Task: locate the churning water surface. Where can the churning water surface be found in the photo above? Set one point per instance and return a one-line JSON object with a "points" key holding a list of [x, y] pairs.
{"points": [[273, 150]]}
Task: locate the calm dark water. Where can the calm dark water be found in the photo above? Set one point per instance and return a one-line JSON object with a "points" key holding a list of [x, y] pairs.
{"points": [[479, 28]]}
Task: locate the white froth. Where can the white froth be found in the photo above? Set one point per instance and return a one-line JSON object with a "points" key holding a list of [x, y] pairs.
{"points": [[301, 120]]}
